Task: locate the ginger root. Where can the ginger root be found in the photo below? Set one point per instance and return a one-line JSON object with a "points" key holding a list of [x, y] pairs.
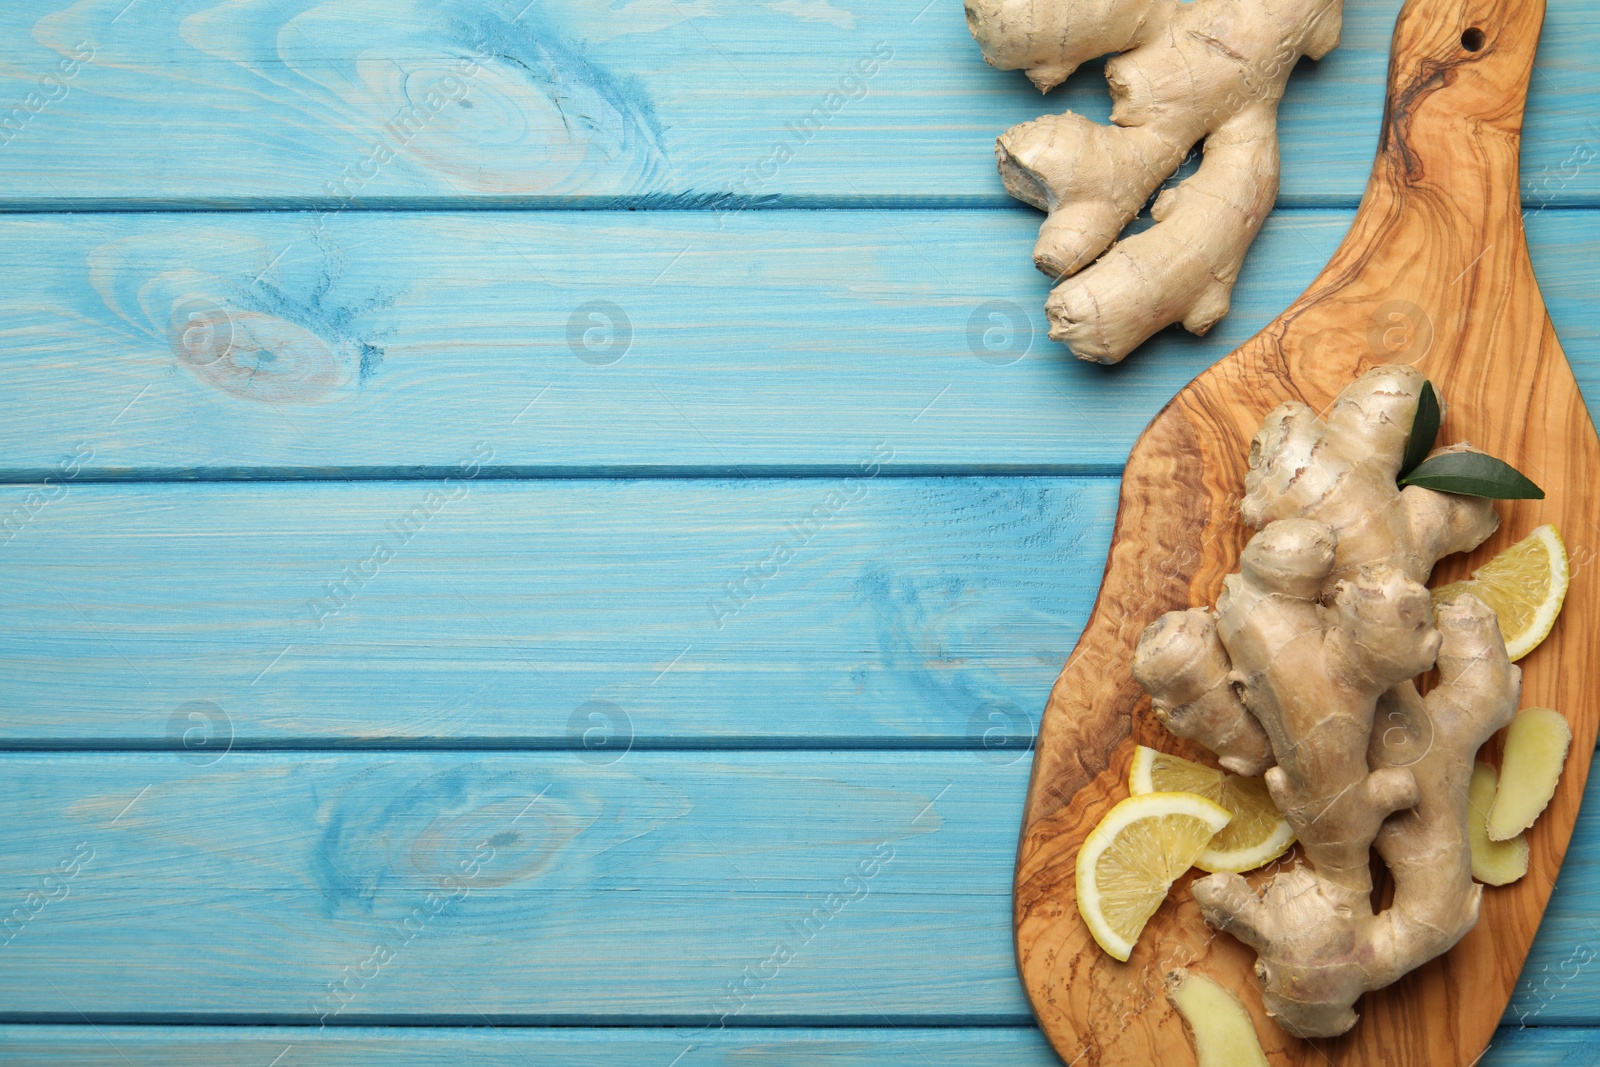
{"points": [[1221, 1030], [1182, 665], [1493, 862], [1323, 630], [1535, 753], [1211, 70]]}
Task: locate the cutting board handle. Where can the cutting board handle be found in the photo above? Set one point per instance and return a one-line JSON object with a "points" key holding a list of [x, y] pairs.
{"points": [[1428, 260], [1458, 84]]}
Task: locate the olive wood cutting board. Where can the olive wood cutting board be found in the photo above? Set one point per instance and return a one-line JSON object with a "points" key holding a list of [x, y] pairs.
{"points": [[1434, 272]]}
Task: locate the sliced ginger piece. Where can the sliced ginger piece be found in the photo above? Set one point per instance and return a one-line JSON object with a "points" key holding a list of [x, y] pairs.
{"points": [[1493, 862], [1221, 1030], [1536, 749]]}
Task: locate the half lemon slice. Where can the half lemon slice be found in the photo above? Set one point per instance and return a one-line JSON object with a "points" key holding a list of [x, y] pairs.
{"points": [[1525, 586], [1131, 859], [1258, 833]]}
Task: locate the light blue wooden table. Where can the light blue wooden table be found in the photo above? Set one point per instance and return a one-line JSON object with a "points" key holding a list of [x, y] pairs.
{"points": [[509, 553]]}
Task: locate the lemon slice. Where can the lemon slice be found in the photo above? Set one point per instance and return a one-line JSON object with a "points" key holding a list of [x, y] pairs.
{"points": [[1258, 833], [1525, 586], [1131, 859]]}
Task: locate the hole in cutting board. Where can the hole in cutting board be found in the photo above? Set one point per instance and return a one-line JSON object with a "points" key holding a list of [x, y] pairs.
{"points": [[1473, 39]]}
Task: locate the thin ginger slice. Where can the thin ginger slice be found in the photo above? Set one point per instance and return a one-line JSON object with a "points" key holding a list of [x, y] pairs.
{"points": [[1536, 749], [1221, 1030], [1493, 862]]}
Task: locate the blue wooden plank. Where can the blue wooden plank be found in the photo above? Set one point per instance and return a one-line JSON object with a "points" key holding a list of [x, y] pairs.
{"points": [[782, 342], [208, 1046], [535, 888], [205, 1046], [859, 610], [306, 101], [547, 888], [779, 342], [575, 342]]}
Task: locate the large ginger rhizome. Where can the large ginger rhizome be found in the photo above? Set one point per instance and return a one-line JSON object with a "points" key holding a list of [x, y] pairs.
{"points": [[1306, 671], [1184, 72]]}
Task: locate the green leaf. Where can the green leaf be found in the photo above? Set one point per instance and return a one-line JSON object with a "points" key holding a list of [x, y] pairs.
{"points": [[1424, 430], [1473, 474]]}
